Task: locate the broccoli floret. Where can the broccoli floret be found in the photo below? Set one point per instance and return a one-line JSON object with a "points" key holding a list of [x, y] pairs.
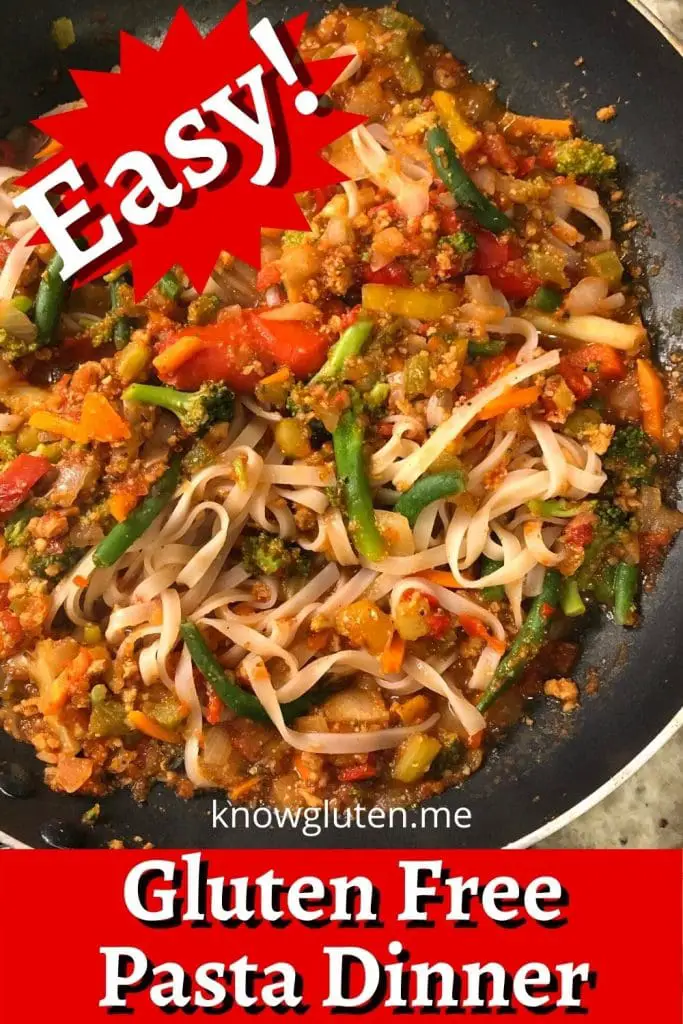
{"points": [[610, 529], [612, 520], [15, 531], [8, 448], [267, 554], [51, 565], [203, 310], [295, 238], [463, 242], [12, 348], [631, 456], [196, 410], [582, 157]]}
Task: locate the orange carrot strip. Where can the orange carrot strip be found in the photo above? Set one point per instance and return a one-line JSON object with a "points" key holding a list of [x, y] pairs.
{"points": [[121, 504], [59, 425], [652, 399], [391, 658], [517, 125], [178, 353], [242, 788], [101, 422], [143, 723], [439, 576], [81, 581], [49, 149], [475, 627], [518, 398]]}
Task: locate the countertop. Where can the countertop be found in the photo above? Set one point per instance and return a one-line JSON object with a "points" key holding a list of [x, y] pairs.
{"points": [[647, 810]]}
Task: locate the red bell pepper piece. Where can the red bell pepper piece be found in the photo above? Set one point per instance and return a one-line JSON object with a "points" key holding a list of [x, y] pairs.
{"points": [[18, 479], [243, 348], [501, 261], [393, 274], [356, 773], [600, 362]]}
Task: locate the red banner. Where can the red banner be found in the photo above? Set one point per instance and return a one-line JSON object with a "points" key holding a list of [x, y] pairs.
{"points": [[86, 934]]}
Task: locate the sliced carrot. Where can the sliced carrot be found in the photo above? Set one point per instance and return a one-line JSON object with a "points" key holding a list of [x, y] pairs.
{"points": [[49, 149], [475, 740], [518, 398], [81, 581], [242, 788], [441, 577], [475, 627], [652, 399], [214, 708], [178, 353], [58, 425], [60, 689], [143, 723], [391, 658], [100, 420], [517, 125], [302, 767], [121, 504]]}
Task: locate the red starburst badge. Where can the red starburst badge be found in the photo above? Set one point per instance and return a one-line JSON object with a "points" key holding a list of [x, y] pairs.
{"points": [[191, 149]]}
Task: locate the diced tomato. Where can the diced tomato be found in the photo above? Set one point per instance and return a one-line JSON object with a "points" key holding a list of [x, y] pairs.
{"points": [[393, 274], [268, 275], [578, 382], [450, 222], [499, 153], [546, 157], [18, 479], [579, 533], [11, 633], [243, 348], [356, 773], [600, 362], [492, 252], [514, 280], [525, 165], [439, 622], [6, 246]]}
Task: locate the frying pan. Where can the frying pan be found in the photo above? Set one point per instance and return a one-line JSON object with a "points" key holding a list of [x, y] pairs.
{"points": [[534, 780]]}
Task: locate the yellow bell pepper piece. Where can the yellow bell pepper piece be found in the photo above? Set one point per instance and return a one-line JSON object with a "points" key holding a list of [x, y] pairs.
{"points": [[463, 136], [412, 302], [59, 425]]}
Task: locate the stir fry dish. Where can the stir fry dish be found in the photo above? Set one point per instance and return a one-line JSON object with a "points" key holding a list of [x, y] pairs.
{"points": [[325, 531]]}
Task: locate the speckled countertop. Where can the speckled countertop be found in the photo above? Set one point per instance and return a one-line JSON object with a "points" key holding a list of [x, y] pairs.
{"points": [[647, 810]]}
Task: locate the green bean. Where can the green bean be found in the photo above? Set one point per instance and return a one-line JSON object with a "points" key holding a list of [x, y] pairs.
{"points": [[121, 536], [348, 442], [52, 292], [457, 181], [528, 642], [170, 286], [496, 593], [572, 602], [546, 299], [242, 702], [557, 508], [490, 347], [428, 489], [626, 578], [124, 325], [349, 344]]}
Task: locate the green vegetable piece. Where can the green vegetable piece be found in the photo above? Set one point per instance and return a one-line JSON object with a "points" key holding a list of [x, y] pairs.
{"points": [[631, 456], [123, 324], [243, 703], [583, 158], [488, 566], [449, 759], [121, 536], [416, 375], [457, 181], [50, 297], [15, 531], [8, 447], [490, 347], [292, 238], [626, 578], [62, 32], [51, 565], [24, 303], [108, 718], [558, 508], [266, 554], [528, 642], [170, 286], [350, 344], [546, 299], [349, 442], [463, 242], [572, 603], [427, 489], [196, 410], [608, 266]]}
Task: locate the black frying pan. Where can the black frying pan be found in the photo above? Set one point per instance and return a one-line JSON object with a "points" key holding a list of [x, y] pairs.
{"points": [[530, 46]]}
